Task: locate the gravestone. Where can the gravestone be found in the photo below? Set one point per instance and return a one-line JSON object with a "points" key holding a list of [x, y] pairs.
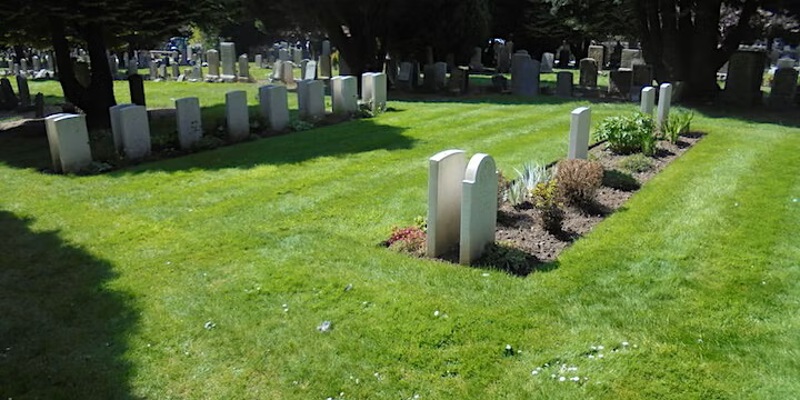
{"points": [[162, 71], [283, 55], [310, 70], [344, 94], [273, 103], [478, 207], [244, 68], [619, 82], [325, 68], [664, 101], [648, 100], [136, 86], [547, 62], [588, 73], [581, 119], [745, 75], [8, 100], [236, 115], [82, 74], [564, 84], [784, 88], [524, 74], [642, 77], [504, 61], [297, 55], [287, 74], [597, 53], [459, 81], [38, 105], [366, 87], [23, 65], [326, 47], [275, 75], [189, 119], [116, 126], [310, 99], [134, 131], [197, 73], [213, 64], [37, 64], [69, 142], [227, 53], [784, 63], [259, 61], [176, 70], [445, 176], [440, 75], [375, 93], [153, 71], [133, 67], [404, 76], [15, 70], [475, 62], [628, 55], [24, 91]]}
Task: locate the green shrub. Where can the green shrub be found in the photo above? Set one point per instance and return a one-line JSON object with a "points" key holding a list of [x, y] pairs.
{"points": [[678, 123], [506, 257], [545, 199], [578, 180], [636, 163], [626, 135]]}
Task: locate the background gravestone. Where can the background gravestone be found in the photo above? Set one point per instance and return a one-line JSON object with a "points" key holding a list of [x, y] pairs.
{"points": [[619, 82], [24, 91], [478, 207], [564, 84], [136, 86], [344, 94], [69, 142], [116, 125], [588, 73], [547, 62], [784, 88], [274, 106], [524, 74], [445, 176], [135, 132], [642, 77], [227, 52], [244, 68], [237, 115], [189, 120], [745, 75], [581, 119], [213, 64], [597, 53]]}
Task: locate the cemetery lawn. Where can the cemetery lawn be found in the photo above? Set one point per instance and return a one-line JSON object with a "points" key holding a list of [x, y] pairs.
{"points": [[206, 276]]}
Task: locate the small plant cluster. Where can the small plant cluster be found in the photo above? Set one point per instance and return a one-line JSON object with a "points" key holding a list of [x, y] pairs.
{"points": [[578, 180], [518, 191], [626, 135], [411, 239], [678, 123]]}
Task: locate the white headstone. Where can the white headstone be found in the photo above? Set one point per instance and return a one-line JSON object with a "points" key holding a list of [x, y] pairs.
{"points": [[244, 68], [69, 142], [213, 63], [227, 51], [664, 101], [37, 64], [547, 62], [274, 106], [237, 115], [135, 131], [190, 125], [259, 61], [344, 94], [366, 87], [579, 133], [648, 100], [478, 207], [310, 99], [276, 71], [310, 70], [374, 87], [197, 73], [445, 176], [116, 125]]}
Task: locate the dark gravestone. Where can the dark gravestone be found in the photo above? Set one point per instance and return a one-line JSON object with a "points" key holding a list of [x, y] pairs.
{"points": [[745, 74], [38, 104], [459, 81], [616, 56], [24, 91], [642, 77], [784, 88], [136, 84], [8, 100], [619, 82]]}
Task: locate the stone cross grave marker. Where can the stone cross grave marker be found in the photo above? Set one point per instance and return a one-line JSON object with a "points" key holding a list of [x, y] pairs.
{"points": [[445, 176], [69, 142], [189, 119], [274, 106], [237, 115], [344, 94], [581, 119], [478, 207]]}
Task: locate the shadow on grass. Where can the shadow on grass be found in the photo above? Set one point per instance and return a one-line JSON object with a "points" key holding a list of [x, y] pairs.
{"points": [[759, 114], [62, 331]]}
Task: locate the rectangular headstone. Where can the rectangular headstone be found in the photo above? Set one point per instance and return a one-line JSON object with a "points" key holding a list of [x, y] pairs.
{"points": [[404, 76], [648, 100], [227, 52], [274, 106], [619, 82], [440, 75], [326, 47], [213, 64], [189, 119], [24, 91], [116, 125], [478, 207], [588, 73], [275, 75], [136, 86], [259, 61], [374, 87], [642, 77], [628, 55], [310, 70], [524, 74], [197, 73], [287, 74], [744, 78], [135, 131], [664, 100], [581, 119], [69, 142], [597, 53], [283, 55], [564, 84], [547, 62], [311, 99], [784, 88], [325, 69], [237, 115], [344, 94], [244, 68], [445, 176]]}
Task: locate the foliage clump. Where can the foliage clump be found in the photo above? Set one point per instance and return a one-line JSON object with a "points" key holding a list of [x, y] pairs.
{"points": [[678, 123], [626, 135], [578, 180], [546, 200]]}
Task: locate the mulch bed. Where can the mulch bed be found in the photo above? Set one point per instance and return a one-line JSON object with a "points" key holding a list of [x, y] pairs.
{"points": [[522, 227]]}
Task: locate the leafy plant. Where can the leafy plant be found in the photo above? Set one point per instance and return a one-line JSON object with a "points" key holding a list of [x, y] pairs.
{"points": [[532, 174], [545, 199], [678, 123], [516, 193], [625, 135], [411, 240], [505, 256], [636, 163], [578, 180]]}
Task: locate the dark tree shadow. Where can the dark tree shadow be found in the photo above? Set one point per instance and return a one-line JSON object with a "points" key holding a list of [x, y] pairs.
{"points": [[62, 332]]}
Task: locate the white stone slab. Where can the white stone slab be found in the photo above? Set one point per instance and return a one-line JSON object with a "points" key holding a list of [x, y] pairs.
{"points": [[310, 99], [366, 87], [581, 119], [227, 52], [244, 67], [274, 106], [648, 100], [259, 61], [275, 75], [445, 180], [310, 70], [344, 94], [237, 115], [478, 207], [68, 134], [189, 119], [135, 132], [548, 59], [213, 63], [116, 125], [664, 101], [373, 90]]}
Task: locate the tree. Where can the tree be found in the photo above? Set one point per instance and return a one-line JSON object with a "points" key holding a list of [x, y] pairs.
{"points": [[92, 25]]}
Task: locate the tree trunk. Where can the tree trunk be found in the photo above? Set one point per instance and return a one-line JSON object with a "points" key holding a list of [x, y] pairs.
{"points": [[99, 96]]}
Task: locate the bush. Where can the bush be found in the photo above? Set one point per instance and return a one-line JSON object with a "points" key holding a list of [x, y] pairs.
{"points": [[578, 180], [506, 257], [678, 123], [636, 163], [626, 135], [545, 199]]}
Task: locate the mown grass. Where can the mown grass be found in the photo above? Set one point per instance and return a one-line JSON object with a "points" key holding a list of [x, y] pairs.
{"points": [[206, 276]]}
